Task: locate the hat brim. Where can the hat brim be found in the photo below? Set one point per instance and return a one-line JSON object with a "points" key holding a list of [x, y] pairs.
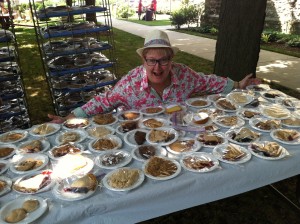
{"points": [[140, 50]]}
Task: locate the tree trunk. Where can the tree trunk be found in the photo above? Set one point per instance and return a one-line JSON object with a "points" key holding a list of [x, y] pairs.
{"points": [[90, 16], [238, 45]]}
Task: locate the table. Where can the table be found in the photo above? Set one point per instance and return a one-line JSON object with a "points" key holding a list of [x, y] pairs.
{"points": [[156, 198]]}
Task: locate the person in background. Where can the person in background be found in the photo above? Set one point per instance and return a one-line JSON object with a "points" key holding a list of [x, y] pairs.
{"points": [[158, 81], [140, 9], [153, 8], [4, 16]]}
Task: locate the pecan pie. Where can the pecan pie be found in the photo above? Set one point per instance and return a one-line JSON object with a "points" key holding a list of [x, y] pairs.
{"points": [[159, 167]]}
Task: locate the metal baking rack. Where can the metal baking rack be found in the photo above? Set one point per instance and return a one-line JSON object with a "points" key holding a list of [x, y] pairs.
{"points": [[74, 41], [13, 105]]}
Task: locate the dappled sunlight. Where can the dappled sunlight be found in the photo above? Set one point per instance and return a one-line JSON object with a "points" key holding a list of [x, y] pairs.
{"points": [[278, 64], [27, 46], [34, 94]]}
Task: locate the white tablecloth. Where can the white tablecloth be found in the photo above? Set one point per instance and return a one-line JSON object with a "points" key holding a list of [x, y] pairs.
{"points": [[156, 198]]}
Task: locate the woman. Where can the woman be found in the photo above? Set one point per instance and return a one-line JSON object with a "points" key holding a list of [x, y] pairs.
{"points": [[158, 81]]}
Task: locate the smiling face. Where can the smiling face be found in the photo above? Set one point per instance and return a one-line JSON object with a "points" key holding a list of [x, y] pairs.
{"points": [[159, 73]]}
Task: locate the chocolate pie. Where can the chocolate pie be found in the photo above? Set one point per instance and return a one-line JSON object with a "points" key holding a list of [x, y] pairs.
{"points": [[147, 151], [140, 137], [129, 126]]}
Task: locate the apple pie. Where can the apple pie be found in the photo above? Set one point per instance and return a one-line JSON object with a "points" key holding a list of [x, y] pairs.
{"points": [[160, 136], [244, 135], [287, 135], [269, 149], [233, 153]]}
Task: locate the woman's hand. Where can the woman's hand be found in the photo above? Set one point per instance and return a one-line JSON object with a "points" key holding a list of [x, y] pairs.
{"points": [[56, 119], [248, 80]]}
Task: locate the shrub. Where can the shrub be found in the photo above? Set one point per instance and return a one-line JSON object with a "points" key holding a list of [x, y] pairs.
{"points": [[214, 31], [124, 11], [294, 42], [265, 38], [178, 19]]}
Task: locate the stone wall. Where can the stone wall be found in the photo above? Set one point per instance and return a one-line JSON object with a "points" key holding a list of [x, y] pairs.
{"points": [[281, 15]]}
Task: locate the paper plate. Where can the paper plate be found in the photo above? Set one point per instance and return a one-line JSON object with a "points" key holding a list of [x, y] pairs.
{"points": [[44, 129], [7, 138], [126, 158], [219, 151], [18, 203]]}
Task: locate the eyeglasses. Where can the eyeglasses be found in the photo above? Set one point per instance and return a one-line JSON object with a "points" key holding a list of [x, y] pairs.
{"points": [[162, 62]]}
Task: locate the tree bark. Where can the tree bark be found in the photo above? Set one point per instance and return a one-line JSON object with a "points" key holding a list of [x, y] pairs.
{"points": [[240, 26], [90, 16]]}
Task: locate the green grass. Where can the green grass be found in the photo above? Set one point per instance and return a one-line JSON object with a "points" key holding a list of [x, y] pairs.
{"points": [[164, 22]]}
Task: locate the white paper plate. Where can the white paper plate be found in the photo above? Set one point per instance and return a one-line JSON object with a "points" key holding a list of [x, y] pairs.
{"points": [[258, 88], [144, 111], [218, 134], [56, 128], [275, 107], [255, 120], [196, 146], [163, 178], [126, 159], [224, 109], [272, 92], [215, 97], [17, 203], [200, 156], [294, 142], [241, 113], [129, 137], [81, 133], [164, 122], [45, 146], [28, 176], [70, 165], [19, 158], [76, 145], [76, 121], [5, 164], [230, 132], [121, 115], [292, 124], [190, 102], [112, 123], [245, 94], [135, 185], [262, 156], [93, 132], [9, 146], [169, 130], [7, 188], [112, 138], [219, 150], [4, 135], [240, 122], [159, 151], [58, 191], [288, 102]]}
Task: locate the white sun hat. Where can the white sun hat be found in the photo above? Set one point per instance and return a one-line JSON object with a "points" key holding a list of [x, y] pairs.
{"points": [[156, 39]]}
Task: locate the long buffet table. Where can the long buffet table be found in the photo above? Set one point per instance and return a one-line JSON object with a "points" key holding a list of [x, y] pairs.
{"points": [[154, 198]]}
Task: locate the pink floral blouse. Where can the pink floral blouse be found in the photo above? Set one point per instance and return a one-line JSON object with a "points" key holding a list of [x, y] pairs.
{"points": [[134, 92]]}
